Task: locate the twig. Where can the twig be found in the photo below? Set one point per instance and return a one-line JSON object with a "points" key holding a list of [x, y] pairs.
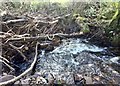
{"points": [[25, 72], [7, 65], [44, 22], [14, 21], [23, 35], [17, 49], [4, 59], [14, 36]]}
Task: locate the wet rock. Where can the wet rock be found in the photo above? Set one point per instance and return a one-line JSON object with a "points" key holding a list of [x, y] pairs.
{"points": [[88, 80], [31, 80], [26, 81], [40, 80]]}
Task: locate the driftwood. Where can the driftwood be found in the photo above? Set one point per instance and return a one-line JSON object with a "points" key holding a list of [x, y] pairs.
{"points": [[25, 72]]}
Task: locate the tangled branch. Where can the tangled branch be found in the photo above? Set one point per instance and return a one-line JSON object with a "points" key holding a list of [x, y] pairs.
{"points": [[25, 72]]}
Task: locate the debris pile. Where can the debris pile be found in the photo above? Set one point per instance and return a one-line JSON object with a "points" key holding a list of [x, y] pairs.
{"points": [[20, 35]]}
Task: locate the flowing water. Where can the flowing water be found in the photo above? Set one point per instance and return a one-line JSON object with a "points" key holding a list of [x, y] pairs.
{"points": [[78, 56]]}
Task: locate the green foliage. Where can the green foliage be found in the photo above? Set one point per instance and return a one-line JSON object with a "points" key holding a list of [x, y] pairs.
{"points": [[117, 12], [113, 28]]}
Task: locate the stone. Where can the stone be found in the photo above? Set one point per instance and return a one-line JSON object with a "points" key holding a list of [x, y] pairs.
{"points": [[88, 80]]}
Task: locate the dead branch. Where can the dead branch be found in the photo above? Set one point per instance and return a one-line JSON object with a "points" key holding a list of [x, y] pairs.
{"points": [[43, 37], [25, 72], [11, 68], [4, 59], [14, 21], [17, 49], [44, 22]]}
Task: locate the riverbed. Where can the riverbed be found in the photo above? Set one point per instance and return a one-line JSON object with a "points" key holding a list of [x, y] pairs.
{"points": [[78, 58]]}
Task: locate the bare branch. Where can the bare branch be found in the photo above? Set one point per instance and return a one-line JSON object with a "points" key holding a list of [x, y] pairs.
{"points": [[25, 72]]}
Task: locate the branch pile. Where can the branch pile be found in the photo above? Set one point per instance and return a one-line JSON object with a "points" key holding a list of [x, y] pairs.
{"points": [[20, 34]]}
